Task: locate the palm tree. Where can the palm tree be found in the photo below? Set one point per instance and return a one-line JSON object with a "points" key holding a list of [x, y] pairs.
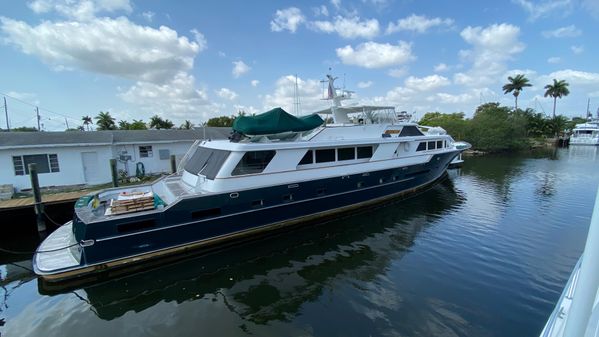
{"points": [[557, 90], [87, 120], [187, 125], [156, 122], [515, 85], [105, 121]]}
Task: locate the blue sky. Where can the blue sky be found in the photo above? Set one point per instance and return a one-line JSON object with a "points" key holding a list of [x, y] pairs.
{"points": [[195, 59]]}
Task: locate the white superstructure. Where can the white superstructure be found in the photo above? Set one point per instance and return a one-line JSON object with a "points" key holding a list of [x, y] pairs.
{"points": [[586, 133]]}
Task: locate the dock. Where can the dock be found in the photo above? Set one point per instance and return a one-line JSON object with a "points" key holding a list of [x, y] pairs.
{"points": [[18, 215]]}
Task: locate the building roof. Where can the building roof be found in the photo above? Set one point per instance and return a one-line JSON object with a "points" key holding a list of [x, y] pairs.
{"points": [[10, 140]]}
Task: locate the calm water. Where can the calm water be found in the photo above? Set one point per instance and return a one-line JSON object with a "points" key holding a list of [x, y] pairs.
{"points": [[485, 253]]}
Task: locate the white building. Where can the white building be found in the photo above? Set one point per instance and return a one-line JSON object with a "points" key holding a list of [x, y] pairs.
{"points": [[73, 158]]}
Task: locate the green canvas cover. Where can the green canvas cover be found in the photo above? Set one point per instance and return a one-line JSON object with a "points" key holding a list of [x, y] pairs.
{"points": [[274, 121]]}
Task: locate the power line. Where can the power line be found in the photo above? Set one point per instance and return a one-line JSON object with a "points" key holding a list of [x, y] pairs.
{"points": [[38, 107]]}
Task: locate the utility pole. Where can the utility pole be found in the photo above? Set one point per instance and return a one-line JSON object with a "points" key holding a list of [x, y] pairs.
{"points": [[37, 112], [6, 113], [66, 122]]}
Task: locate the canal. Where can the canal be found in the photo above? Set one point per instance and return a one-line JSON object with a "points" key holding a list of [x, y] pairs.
{"points": [[484, 253]]}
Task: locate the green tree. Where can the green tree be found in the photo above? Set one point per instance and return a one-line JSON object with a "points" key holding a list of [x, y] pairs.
{"points": [[494, 128], [454, 123], [87, 120], [222, 121], [138, 125], [105, 121], [557, 125], [124, 125], [24, 129], [557, 90], [188, 125], [515, 85], [156, 122]]}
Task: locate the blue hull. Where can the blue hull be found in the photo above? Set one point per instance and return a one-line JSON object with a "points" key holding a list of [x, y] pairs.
{"points": [[201, 220]]}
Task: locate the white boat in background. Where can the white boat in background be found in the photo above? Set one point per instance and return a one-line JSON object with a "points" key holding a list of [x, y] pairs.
{"points": [[586, 133], [577, 311]]}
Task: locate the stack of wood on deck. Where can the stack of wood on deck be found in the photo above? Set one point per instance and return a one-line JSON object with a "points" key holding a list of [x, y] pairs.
{"points": [[132, 202]]}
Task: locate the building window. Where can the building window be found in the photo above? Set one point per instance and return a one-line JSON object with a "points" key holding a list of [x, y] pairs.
{"points": [[421, 146], [324, 156], [346, 153], [145, 151], [364, 152], [253, 162], [45, 163], [307, 159]]}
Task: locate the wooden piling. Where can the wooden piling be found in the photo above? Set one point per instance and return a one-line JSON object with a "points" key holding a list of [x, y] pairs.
{"points": [[115, 178], [37, 197], [173, 163]]}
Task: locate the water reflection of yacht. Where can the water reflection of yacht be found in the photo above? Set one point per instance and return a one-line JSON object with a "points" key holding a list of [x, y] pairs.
{"points": [[269, 279], [276, 171]]}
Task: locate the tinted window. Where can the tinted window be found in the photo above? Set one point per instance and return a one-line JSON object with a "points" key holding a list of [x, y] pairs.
{"points": [[253, 162], [364, 152], [421, 146], [207, 161], [431, 145], [307, 159], [439, 144], [323, 156], [346, 153], [410, 130]]}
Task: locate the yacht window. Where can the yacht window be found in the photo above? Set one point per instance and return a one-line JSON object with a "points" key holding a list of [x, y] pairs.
{"points": [[346, 153], [206, 161], [364, 152], [253, 162], [307, 159], [324, 156], [439, 144], [431, 145], [287, 197], [421, 146], [409, 130], [206, 213]]}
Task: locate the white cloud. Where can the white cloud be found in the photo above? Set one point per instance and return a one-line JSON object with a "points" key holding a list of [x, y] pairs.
{"points": [[309, 92], [249, 110], [227, 94], [177, 98], [453, 99], [363, 85], [321, 11], [81, 10], [255, 83], [287, 19], [149, 16], [426, 83], [336, 3], [492, 47], [398, 72], [573, 77], [568, 31], [441, 67], [240, 68], [200, 39], [348, 27], [417, 23], [544, 8], [554, 60], [577, 49], [376, 55], [115, 47]]}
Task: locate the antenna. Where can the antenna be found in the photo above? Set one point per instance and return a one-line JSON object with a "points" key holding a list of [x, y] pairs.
{"points": [[296, 99], [6, 113]]}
